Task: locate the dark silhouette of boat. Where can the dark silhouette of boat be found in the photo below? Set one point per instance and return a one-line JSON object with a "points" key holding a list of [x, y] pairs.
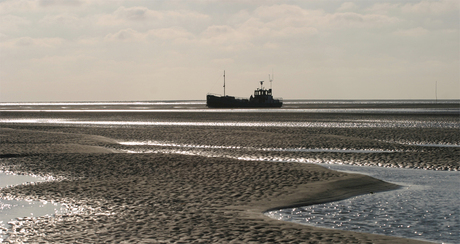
{"points": [[262, 98]]}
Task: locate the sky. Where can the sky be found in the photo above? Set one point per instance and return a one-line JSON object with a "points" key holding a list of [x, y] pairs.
{"points": [[140, 50]]}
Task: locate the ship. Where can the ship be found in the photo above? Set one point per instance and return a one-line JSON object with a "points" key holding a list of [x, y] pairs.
{"points": [[262, 98]]}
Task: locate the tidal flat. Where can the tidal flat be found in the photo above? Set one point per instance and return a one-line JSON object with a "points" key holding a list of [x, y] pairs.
{"points": [[206, 176]]}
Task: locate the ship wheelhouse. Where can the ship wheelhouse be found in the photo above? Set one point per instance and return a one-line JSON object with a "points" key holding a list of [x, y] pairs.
{"points": [[263, 92]]}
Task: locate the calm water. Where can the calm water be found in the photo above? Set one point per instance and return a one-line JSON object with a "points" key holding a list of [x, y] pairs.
{"points": [[297, 106], [425, 208], [10, 209]]}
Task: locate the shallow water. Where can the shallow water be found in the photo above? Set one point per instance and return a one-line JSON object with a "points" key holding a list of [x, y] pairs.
{"points": [[425, 208], [12, 179], [273, 154], [354, 124], [298, 106], [10, 209], [194, 146]]}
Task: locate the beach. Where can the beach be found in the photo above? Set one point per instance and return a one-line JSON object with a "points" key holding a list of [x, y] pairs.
{"points": [[205, 183]]}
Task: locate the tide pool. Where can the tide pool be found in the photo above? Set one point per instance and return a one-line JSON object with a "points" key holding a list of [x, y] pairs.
{"points": [[11, 209], [425, 208]]}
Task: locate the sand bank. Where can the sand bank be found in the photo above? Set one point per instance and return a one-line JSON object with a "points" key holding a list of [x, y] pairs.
{"points": [[169, 198]]}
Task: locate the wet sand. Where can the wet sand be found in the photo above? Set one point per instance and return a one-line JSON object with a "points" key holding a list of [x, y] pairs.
{"points": [[172, 198]]}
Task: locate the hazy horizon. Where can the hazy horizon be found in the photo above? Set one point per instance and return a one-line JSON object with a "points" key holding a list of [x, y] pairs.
{"points": [[203, 101], [92, 50]]}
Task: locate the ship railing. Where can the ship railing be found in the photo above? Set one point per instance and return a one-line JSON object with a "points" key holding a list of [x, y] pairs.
{"points": [[220, 95]]}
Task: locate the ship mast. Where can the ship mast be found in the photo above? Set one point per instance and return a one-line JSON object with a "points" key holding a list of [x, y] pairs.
{"points": [[271, 79], [224, 83]]}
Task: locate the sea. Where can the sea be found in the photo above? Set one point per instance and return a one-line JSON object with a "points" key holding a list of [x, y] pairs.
{"points": [[425, 207]]}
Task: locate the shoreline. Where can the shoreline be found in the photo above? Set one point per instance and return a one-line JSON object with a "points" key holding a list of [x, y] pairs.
{"points": [[173, 198]]}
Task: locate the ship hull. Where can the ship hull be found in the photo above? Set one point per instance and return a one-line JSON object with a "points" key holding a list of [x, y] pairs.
{"points": [[213, 101]]}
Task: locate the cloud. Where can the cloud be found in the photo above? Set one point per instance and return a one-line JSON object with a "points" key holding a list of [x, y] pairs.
{"points": [[431, 7], [130, 35], [347, 6], [144, 13], [17, 6], [126, 35], [3, 36], [48, 3], [126, 16], [273, 27], [12, 22], [277, 21], [360, 20], [41, 42], [137, 13], [384, 8], [287, 19], [221, 34], [27, 41], [414, 32], [421, 7], [61, 19], [279, 11], [169, 33]]}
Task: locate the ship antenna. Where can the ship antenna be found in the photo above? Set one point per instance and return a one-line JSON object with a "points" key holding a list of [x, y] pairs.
{"points": [[224, 83]]}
